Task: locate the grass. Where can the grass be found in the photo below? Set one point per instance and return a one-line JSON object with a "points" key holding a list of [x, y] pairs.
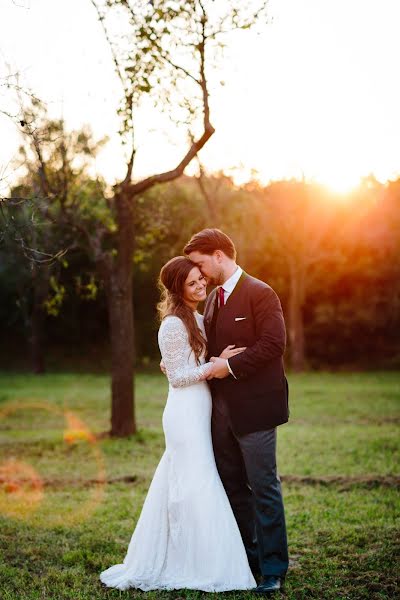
{"points": [[338, 460]]}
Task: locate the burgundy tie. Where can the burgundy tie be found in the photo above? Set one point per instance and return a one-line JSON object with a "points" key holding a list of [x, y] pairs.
{"points": [[221, 296]]}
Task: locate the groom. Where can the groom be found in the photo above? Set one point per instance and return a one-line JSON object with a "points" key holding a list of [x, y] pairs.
{"points": [[250, 399]]}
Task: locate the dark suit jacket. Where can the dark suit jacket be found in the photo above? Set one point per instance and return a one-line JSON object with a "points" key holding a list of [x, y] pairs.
{"points": [[258, 398]]}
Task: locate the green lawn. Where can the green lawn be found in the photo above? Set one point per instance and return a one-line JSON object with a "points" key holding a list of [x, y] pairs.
{"points": [[338, 460]]}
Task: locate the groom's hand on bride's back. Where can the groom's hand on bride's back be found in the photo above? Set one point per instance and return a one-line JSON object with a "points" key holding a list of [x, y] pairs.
{"points": [[162, 367]]}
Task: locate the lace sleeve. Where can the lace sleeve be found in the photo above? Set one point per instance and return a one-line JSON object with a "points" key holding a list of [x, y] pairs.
{"points": [[174, 347]]}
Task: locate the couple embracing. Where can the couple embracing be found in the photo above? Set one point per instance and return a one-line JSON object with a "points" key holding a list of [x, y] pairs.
{"points": [[213, 518]]}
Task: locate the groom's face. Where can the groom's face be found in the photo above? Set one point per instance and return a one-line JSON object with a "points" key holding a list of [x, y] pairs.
{"points": [[209, 265]]}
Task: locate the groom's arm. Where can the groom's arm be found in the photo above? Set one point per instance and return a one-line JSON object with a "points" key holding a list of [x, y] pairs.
{"points": [[271, 332]]}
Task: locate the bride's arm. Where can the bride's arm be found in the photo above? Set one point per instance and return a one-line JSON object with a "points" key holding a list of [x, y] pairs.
{"points": [[173, 341]]}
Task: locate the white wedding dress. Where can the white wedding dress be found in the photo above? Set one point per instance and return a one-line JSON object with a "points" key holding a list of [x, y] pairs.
{"points": [[186, 535]]}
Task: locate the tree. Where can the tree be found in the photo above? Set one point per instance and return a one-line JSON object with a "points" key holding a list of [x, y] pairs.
{"points": [[30, 271], [49, 210], [298, 218], [21, 232], [154, 65]]}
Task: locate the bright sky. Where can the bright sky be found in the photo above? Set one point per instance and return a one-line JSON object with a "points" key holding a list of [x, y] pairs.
{"points": [[316, 94]]}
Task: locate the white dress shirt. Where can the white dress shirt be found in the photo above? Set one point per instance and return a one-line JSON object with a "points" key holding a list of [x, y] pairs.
{"points": [[228, 288], [230, 283]]}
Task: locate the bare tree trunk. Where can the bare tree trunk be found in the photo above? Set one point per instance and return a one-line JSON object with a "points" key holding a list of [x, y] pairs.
{"points": [[120, 306], [122, 375], [37, 318], [36, 340], [208, 197], [296, 324]]}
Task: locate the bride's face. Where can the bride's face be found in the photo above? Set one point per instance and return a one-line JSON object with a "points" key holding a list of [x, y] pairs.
{"points": [[194, 288]]}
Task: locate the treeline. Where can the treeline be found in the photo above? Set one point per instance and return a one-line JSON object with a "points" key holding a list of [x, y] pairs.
{"points": [[333, 260]]}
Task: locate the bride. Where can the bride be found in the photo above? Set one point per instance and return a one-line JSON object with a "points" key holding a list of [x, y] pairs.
{"points": [[186, 535]]}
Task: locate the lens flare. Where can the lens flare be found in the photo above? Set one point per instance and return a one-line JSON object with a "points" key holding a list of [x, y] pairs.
{"points": [[23, 489]]}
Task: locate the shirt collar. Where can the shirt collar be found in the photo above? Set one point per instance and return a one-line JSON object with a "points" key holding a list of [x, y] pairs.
{"points": [[230, 283]]}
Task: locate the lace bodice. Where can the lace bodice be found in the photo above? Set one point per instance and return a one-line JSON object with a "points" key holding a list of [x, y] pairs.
{"points": [[177, 354]]}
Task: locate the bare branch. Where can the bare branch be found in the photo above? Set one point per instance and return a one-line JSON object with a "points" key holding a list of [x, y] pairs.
{"points": [[201, 180], [114, 55], [20, 5], [203, 81], [141, 186], [128, 175], [179, 68], [50, 258]]}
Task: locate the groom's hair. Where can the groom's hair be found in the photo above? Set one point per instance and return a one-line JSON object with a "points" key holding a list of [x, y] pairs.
{"points": [[208, 241]]}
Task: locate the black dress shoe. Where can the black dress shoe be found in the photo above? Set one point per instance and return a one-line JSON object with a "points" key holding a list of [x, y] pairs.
{"points": [[269, 584]]}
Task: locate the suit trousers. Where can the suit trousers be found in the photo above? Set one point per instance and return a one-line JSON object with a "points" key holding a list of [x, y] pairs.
{"points": [[247, 467]]}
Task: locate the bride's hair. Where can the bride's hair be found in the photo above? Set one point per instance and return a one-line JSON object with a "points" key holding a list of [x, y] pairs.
{"points": [[171, 283]]}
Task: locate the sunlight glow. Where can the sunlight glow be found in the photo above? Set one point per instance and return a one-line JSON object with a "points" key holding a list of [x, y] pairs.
{"points": [[315, 95]]}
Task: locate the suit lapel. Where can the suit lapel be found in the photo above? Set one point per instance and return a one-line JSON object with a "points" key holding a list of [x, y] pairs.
{"points": [[237, 287], [209, 310]]}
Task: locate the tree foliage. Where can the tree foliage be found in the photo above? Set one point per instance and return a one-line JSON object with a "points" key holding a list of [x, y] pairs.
{"points": [[351, 303]]}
